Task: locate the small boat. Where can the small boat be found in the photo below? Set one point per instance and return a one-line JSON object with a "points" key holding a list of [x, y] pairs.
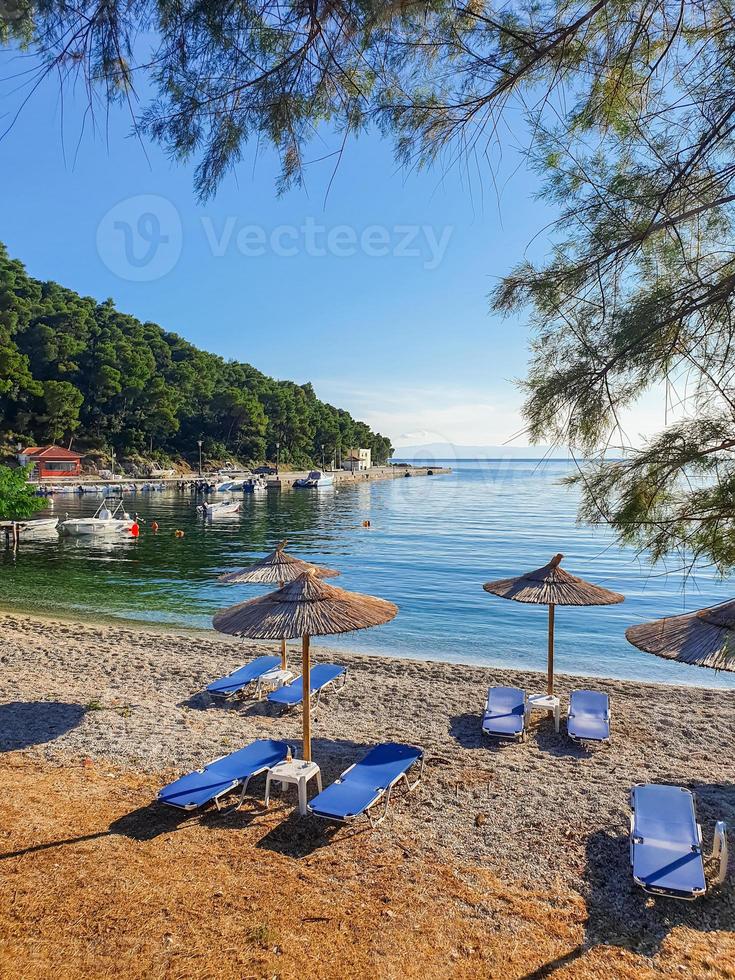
{"points": [[256, 485], [109, 519], [224, 508], [38, 525], [223, 486], [34, 527], [316, 479]]}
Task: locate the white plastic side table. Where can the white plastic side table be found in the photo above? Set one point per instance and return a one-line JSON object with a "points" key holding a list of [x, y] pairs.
{"points": [[546, 702], [273, 678], [294, 772]]}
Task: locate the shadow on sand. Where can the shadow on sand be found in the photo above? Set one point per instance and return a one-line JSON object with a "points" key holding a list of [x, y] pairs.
{"points": [[619, 913], [559, 744], [24, 724], [143, 824], [298, 837], [154, 820], [201, 701], [295, 835], [466, 730]]}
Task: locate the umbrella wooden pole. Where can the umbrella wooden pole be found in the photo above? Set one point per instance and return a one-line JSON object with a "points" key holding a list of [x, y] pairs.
{"points": [[306, 681], [550, 664], [284, 658]]}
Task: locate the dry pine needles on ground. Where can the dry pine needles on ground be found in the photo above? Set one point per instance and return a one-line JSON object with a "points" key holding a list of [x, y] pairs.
{"points": [[98, 882]]}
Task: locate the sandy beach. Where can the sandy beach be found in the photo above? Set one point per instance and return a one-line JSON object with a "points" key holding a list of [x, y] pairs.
{"points": [[114, 711]]}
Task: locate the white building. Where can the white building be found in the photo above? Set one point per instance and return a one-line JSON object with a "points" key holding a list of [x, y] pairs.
{"points": [[355, 460]]}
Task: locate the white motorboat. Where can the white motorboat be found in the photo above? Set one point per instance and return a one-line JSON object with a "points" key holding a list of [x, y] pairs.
{"points": [[315, 479], [224, 508], [256, 485], [109, 519], [223, 487], [35, 527]]}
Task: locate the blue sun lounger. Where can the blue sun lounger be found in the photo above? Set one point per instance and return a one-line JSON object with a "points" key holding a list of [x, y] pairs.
{"points": [[589, 716], [321, 676], [223, 775], [666, 842], [505, 713], [236, 682], [361, 786]]}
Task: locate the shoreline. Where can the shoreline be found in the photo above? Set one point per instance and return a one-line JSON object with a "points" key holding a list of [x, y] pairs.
{"points": [[96, 619], [284, 479], [70, 690]]}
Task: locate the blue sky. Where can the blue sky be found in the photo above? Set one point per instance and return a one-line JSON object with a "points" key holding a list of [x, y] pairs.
{"points": [[376, 292]]}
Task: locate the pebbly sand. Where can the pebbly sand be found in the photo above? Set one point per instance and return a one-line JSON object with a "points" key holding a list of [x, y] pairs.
{"points": [[545, 814]]}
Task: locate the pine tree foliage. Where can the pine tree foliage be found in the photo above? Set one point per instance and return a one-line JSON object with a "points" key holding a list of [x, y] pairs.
{"points": [[74, 368]]}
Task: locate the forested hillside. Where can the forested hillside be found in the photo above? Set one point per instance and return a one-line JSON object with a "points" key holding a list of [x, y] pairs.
{"points": [[74, 370]]}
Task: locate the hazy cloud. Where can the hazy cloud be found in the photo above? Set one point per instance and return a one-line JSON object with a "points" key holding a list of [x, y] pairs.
{"points": [[420, 414]]}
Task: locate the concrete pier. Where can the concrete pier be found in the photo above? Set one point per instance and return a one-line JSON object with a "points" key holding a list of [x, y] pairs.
{"points": [[342, 477], [285, 479]]}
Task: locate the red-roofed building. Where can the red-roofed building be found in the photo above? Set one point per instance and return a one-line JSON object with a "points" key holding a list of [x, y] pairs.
{"points": [[51, 461]]}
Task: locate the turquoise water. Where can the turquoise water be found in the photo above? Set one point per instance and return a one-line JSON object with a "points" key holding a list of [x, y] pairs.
{"points": [[432, 543]]}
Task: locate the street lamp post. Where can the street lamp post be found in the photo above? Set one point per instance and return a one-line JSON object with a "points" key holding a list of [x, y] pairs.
{"points": [[278, 452], [112, 456], [199, 443], [322, 455]]}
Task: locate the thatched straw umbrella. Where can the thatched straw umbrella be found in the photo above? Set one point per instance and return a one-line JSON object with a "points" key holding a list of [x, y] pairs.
{"points": [[305, 607], [277, 568], [705, 638], [552, 586]]}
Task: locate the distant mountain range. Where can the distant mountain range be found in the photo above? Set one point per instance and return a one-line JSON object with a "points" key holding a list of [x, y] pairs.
{"points": [[445, 450]]}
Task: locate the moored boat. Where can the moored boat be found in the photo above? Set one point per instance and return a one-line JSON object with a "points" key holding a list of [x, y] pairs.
{"points": [[256, 485], [33, 527], [108, 520], [38, 525], [224, 508], [316, 479]]}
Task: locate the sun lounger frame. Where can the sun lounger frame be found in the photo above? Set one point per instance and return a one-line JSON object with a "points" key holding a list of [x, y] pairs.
{"points": [[385, 792], [223, 792], [577, 738], [243, 792], [719, 850], [317, 694], [240, 693], [509, 736]]}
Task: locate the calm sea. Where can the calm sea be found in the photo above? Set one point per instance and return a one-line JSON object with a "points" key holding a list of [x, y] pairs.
{"points": [[431, 544]]}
